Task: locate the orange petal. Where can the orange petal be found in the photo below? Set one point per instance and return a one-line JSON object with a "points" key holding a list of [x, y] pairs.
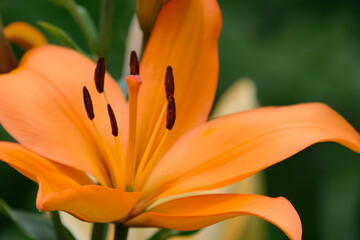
{"points": [[42, 107], [185, 36], [196, 212], [90, 203], [69, 71], [228, 149], [30, 164], [39, 117], [24, 35], [60, 187]]}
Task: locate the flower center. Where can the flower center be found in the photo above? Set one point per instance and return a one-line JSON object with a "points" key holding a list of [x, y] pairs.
{"points": [[120, 170]]}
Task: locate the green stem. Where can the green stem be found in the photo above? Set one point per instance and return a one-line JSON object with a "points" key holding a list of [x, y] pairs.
{"points": [[7, 57], [105, 25], [99, 231], [164, 234], [59, 228], [121, 232]]}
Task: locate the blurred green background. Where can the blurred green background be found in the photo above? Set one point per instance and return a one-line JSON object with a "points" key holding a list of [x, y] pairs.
{"points": [[295, 51]]}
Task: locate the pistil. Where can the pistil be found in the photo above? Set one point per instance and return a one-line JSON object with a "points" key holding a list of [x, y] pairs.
{"points": [[134, 82]]}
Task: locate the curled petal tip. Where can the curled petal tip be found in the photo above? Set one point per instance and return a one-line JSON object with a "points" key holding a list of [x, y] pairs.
{"points": [[24, 35]]}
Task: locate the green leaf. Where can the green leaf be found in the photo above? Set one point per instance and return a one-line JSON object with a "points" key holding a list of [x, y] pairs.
{"points": [[164, 234], [60, 35], [99, 231], [123, 13], [61, 3], [34, 226], [88, 28], [84, 21]]}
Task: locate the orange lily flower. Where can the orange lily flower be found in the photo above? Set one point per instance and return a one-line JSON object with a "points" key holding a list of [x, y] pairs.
{"points": [[125, 146]]}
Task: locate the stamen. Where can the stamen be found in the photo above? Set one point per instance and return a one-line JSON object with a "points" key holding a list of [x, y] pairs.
{"points": [[88, 103], [119, 156], [150, 164], [114, 126], [106, 174], [134, 64], [171, 113], [152, 151], [99, 75], [109, 162], [149, 147], [113, 171], [106, 161], [169, 82]]}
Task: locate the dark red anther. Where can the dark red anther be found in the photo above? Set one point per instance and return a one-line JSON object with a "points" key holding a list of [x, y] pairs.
{"points": [[99, 75], [171, 113], [169, 82], [114, 126], [88, 103]]}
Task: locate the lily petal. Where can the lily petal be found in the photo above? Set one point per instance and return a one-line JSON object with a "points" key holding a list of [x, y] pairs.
{"points": [[30, 164], [185, 37], [37, 115], [61, 187], [69, 71], [43, 107], [228, 149], [197, 212], [91, 203]]}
